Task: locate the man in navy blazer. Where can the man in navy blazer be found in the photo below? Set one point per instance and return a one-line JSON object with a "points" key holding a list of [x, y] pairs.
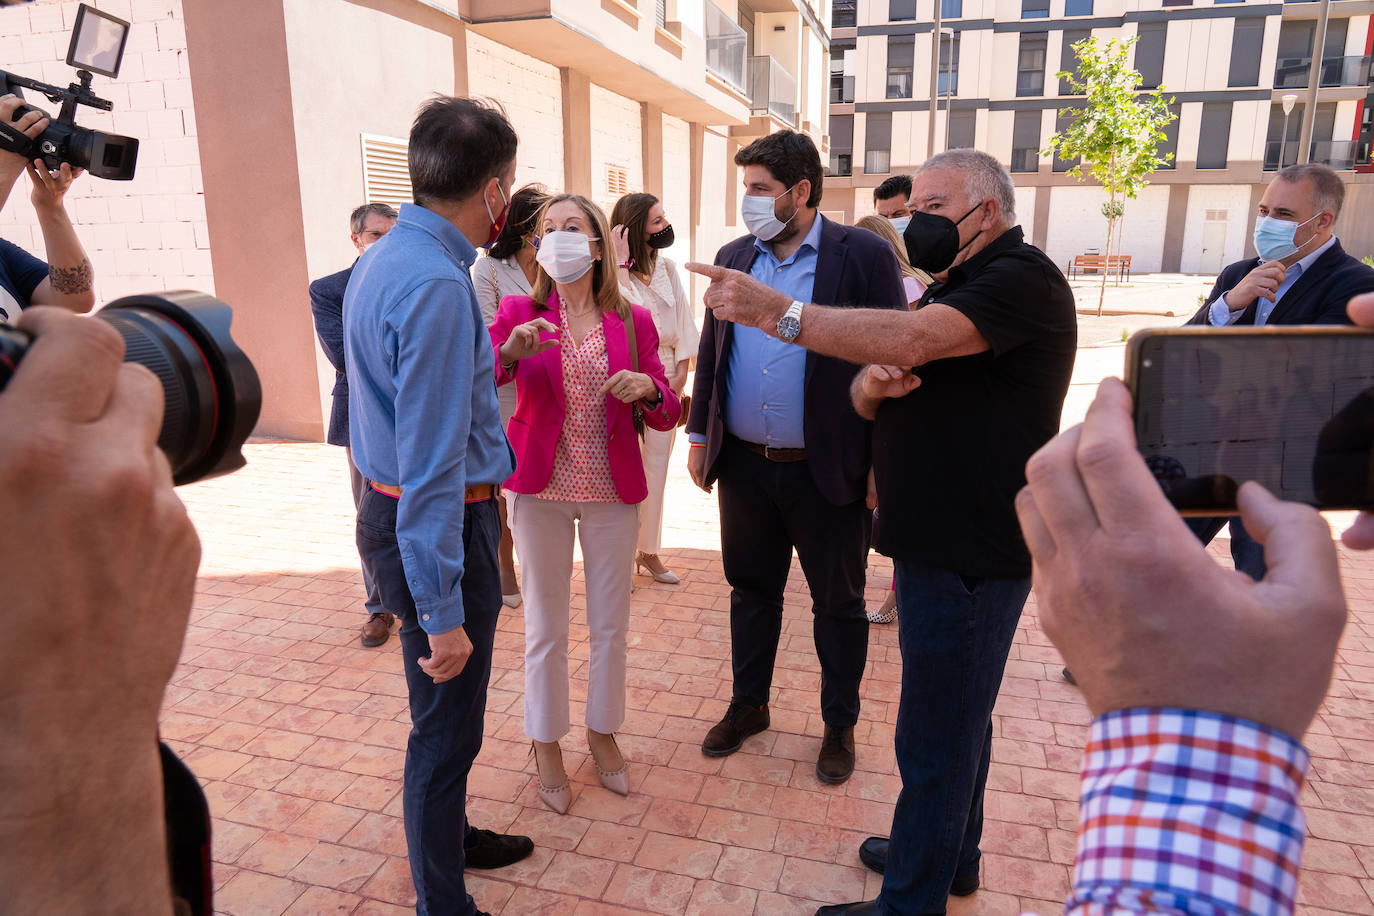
{"points": [[773, 424], [366, 224], [1302, 276]]}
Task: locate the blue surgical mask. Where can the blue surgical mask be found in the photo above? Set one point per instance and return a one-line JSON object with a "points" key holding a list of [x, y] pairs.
{"points": [[900, 223], [1274, 237]]}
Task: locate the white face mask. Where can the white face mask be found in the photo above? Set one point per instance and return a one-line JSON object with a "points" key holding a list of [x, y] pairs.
{"points": [[565, 256], [900, 223], [759, 217]]}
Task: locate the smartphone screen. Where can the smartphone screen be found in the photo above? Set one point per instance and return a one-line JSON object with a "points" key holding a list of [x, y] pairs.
{"points": [[1290, 408]]}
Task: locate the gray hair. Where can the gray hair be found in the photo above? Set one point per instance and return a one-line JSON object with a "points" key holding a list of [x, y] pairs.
{"points": [[358, 218], [1328, 191], [984, 177]]}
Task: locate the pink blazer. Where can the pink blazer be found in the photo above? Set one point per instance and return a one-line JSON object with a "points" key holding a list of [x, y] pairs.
{"points": [[540, 405]]}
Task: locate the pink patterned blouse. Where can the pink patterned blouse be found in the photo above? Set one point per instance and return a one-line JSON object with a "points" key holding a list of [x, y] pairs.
{"points": [[581, 467]]}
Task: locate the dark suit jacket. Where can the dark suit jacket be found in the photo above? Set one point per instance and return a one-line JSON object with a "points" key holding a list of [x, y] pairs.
{"points": [[326, 304], [854, 268], [1318, 297]]}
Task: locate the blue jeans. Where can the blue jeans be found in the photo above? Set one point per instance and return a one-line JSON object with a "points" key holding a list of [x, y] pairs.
{"points": [[446, 719], [1246, 552], [359, 486], [955, 633]]}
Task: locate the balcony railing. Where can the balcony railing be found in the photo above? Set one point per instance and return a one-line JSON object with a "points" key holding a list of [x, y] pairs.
{"points": [[877, 161], [841, 90], [844, 14], [725, 46], [1339, 154], [899, 83], [1291, 72], [1026, 159], [773, 90], [841, 163]]}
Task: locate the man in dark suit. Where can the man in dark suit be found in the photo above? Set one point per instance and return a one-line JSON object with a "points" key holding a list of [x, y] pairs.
{"points": [[774, 425], [1302, 276], [366, 224]]}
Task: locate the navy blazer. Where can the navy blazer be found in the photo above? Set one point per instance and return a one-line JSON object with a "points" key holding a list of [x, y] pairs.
{"points": [[854, 269], [326, 304], [1318, 296]]}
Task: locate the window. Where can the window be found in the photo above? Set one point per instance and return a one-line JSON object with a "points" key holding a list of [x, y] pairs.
{"points": [[1246, 42], [1078, 7], [1215, 135], [1030, 64], [844, 14], [1178, 2], [386, 175], [1149, 53], [901, 10], [900, 72], [1035, 9], [1062, 121], [1170, 142], [1067, 59], [951, 9], [1025, 142], [947, 82], [842, 63], [961, 129], [878, 143], [841, 144], [661, 13]]}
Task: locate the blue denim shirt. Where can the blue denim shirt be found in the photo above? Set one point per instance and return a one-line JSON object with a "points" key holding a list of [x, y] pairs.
{"points": [[765, 379], [422, 397]]}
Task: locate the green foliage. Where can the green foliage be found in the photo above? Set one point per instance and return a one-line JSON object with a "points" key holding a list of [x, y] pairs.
{"points": [[1368, 259]]}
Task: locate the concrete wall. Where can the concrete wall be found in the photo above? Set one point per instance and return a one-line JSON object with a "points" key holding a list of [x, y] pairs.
{"points": [[1076, 224], [531, 92], [615, 130], [1235, 201]]}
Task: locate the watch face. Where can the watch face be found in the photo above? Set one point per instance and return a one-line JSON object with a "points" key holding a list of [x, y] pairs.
{"points": [[789, 326]]}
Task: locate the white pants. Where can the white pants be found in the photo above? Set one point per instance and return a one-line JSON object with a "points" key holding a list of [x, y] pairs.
{"points": [[544, 530], [656, 448]]}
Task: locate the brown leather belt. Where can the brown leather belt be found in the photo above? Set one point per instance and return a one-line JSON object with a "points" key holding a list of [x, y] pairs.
{"points": [[476, 493], [781, 455]]}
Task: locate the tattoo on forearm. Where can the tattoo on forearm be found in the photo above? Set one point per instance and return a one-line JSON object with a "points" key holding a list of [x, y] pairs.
{"points": [[72, 280]]}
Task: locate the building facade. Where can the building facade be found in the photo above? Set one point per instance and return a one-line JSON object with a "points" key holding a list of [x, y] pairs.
{"points": [[1227, 65], [264, 124]]}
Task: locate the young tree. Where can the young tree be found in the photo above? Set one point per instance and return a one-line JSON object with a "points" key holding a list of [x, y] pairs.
{"points": [[1116, 130]]}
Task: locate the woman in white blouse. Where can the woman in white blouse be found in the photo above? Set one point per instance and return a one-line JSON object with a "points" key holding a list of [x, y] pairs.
{"points": [[654, 281], [509, 270]]}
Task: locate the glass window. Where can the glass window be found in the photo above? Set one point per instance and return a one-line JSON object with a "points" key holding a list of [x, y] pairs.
{"points": [[1030, 64], [1035, 9], [901, 10], [1276, 144], [878, 143], [1149, 53], [1062, 121], [900, 72], [842, 62], [1067, 59], [841, 144], [1025, 141], [1215, 136], [1078, 7], [1246, 42], [951, 9], [844, 14], [961, 129], [1178, 2], [947, 82]]}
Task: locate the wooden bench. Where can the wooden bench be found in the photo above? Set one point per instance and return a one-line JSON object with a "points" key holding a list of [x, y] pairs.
{"points": [[1118, 264]]}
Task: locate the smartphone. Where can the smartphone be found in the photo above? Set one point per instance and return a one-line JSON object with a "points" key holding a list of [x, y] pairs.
{"points": [[1291, 408]]}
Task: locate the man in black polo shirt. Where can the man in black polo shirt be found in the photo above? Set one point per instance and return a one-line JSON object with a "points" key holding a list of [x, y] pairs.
{"points": [[993, 346]]}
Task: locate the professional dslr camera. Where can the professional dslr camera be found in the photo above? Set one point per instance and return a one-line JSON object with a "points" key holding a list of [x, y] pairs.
{"points": [[97, 45]]}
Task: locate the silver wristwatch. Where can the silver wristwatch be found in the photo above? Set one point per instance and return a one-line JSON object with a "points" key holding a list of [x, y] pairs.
{"points": [[789, 325]]}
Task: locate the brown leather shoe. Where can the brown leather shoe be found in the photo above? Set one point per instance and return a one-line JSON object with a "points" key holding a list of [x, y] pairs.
{"points": [[836, 760], [741, 720], [377, 629]]}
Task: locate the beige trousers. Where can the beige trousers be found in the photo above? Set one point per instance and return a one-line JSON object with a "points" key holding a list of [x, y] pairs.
{"points": [[656, 448]]}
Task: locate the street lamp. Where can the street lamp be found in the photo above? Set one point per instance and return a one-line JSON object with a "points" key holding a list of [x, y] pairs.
{"points": [[949, 81], [1289, 100]]}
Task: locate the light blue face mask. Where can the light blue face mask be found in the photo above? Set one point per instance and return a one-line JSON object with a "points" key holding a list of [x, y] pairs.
{"points": [[900, 223], [1274, 237]]}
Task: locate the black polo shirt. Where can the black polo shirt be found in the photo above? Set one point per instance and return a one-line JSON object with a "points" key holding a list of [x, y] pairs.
{"points": [[950, 457]]}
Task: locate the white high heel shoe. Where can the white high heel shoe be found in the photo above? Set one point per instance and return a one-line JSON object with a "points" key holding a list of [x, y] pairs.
{"points": [[662, 573], [617, 781], [556, 797]]}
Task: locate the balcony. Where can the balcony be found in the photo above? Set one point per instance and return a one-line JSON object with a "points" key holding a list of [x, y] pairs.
{"points": [[844, 14], [841, 163], [1291, 72], [1339, 154], [899, 83], [773, 90], [725, 46], [841, 90]]}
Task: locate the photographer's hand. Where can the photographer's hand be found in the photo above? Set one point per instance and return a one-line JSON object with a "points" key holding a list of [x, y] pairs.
{"points": [[32, 124], [103, 561]]}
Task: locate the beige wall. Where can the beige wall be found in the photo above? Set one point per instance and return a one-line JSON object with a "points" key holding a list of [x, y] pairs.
{"points": [[531, 93]]}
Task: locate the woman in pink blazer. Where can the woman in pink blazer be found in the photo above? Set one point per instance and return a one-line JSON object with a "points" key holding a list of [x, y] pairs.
{"points": [[578, 473]]}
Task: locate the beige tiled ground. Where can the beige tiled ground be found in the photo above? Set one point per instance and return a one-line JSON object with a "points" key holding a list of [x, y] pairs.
{"points": [[298, 735]]}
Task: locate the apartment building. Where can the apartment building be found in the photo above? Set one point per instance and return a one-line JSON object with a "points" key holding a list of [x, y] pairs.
{"points": [[1231, 67], [262, 129]]}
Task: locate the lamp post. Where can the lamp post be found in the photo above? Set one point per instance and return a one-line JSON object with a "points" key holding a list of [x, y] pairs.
{"points": [[934, 76], [949, 82], [1288, 102]]}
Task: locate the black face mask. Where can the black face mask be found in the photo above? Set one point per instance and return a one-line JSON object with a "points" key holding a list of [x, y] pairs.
{"points": [[932, 241], [663, 238]]}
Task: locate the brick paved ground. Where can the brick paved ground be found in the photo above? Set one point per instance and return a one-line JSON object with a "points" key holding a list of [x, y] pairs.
{"points": [[298, 735]]}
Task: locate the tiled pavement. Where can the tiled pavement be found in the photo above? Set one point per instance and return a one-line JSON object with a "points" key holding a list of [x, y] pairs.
{"points": [[298, 735]]}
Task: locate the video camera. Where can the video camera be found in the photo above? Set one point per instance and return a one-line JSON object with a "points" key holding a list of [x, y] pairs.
{"points": [[97, 45]]}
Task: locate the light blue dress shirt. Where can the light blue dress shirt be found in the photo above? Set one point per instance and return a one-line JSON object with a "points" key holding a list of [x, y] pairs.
{"points": [[422, 397], [765, 379], [1221, 315]]}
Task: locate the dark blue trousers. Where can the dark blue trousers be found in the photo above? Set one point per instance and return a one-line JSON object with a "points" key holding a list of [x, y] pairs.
{"points": [[955, 634], [446, 719], [1246, 552]]}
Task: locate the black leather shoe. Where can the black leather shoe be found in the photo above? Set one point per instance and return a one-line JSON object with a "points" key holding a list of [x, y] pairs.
{"points": [[741, 720], [836, 761], [873, 853], [1068, 676], [962, 887], [851, 909], [496, 850]]}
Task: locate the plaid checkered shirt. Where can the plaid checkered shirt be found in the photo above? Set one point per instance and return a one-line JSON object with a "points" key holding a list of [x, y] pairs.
{"points": [[1188, 812]]}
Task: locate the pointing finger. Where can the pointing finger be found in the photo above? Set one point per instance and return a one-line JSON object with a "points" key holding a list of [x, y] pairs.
{"points": [[710, 271]]}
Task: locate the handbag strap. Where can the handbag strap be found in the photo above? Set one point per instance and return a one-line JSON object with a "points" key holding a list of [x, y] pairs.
{"points": [[633, 340]]}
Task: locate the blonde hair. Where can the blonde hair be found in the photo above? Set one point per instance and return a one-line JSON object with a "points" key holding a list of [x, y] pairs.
{"points": [[882, 227], [605, 282]]}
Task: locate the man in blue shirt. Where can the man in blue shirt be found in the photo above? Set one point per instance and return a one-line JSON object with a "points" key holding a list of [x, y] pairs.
{"points": [[773, 423], [426, 434]]}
